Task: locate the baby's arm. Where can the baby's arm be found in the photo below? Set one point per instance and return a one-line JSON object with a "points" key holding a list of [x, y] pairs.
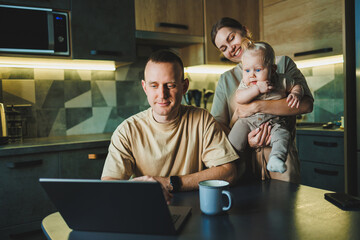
{"points": [[295, 96], [246, 95]]}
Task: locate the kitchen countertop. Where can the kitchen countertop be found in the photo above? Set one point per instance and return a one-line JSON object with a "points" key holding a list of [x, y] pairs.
{"points": [[55, 144], [320, 131]]}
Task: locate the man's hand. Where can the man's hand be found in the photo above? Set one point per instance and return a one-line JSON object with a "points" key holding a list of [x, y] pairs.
{"points": [[260, 137], [164, 182]]}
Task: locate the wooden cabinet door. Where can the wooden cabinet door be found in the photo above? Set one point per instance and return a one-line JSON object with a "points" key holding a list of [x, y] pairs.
{"points": [[103, 30], [22, 198], [245, 11], [298, 26], [170, 16], [54, 4], [85, 164]]}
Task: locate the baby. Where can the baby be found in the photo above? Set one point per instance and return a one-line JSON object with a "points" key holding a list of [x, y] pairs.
{"points": [[260, 81]]}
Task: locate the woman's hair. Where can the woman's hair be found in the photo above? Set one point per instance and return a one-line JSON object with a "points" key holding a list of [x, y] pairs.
{"points": [[231, 23], [267, 51]]}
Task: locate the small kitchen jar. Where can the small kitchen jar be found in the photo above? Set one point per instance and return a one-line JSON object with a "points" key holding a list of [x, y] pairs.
{"points": [[15, 124]]}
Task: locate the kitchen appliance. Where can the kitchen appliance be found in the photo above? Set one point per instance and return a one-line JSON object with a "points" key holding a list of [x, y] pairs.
{"points": [[3, 134], [33, 30]]}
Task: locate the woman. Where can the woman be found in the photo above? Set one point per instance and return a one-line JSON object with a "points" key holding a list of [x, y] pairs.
{"points": [[227, 35]]}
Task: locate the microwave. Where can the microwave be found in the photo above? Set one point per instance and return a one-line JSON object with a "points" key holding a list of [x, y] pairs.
{"points": [[30, 30]]}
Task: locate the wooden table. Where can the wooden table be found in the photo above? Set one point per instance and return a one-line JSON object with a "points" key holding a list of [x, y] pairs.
{"points": [[261, 210]]}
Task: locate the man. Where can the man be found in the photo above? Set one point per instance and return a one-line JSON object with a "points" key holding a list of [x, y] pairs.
{"points": [[173, 144]]}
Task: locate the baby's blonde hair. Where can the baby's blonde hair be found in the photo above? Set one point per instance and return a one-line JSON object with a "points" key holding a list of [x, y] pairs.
{"points": [[267, 52]]}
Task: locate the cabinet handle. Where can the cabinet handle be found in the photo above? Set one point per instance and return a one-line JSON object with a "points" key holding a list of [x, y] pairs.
{"points": [[326, 172], [325, 144], [106, 53], [172, 25], [97, 156], [24, 164], [321, 50]]}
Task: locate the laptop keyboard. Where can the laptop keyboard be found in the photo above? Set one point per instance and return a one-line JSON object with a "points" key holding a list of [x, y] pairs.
{"points": [[175, 217]]}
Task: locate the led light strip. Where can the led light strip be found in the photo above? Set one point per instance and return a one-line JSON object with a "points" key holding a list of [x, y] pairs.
{"points": [[219, 69], [315, 62], [209, 69], [57, 63]]}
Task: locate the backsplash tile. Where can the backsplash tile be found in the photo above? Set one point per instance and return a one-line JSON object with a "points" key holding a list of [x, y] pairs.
{"points": [[103, 93], [16, 73], [77, 74], [18, 91], [48, 74], [67, 102], [49, 94]]}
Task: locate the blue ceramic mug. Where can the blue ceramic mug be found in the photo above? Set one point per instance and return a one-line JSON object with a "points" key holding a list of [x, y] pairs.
{"points": [[211, 200]]}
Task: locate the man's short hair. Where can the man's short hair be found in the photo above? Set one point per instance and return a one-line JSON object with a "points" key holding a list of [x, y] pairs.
{"points": [[167, 56]]}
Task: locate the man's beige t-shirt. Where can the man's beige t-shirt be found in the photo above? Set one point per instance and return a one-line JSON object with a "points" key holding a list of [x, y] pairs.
{"points": [[141, 146]]}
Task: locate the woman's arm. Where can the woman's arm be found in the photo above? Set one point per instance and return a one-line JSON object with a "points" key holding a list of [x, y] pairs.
{"points": [[275, 107]]}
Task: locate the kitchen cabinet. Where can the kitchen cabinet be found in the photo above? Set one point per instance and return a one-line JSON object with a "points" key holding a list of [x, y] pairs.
{"points": [[321, 155], [54, 4], [170, 16], [83, 164], [176, 24], [303, 28], [103, 30], [23, 202], [245, 11]]}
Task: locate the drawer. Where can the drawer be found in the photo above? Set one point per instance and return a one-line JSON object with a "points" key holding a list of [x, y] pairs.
{"points": [[323, 149], [325, 176], [85, 164], [22, 198]]}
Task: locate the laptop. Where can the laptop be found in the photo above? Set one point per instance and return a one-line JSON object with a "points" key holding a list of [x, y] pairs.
{"points": [[115, 206]]}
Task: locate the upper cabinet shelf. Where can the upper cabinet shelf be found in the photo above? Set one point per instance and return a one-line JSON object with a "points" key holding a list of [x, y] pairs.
{"points": [[170, 16], [303, 29], [103, 30]]}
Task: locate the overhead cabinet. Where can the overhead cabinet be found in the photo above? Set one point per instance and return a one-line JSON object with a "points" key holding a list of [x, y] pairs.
{"points": [[303, 28], [103, 30], [169, 16]]}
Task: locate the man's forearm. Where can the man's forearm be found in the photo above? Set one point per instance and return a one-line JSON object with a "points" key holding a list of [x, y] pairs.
{"points": [[227, 172], [281, 108]]}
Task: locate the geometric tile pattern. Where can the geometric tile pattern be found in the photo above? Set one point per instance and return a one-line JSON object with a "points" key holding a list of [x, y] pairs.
{"points": [[67, 102], [327, 86], [19, 89]]}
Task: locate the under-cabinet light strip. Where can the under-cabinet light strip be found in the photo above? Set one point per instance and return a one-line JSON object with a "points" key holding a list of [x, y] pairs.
{"points": [[219, 69], [57, 63], [315, 62]]}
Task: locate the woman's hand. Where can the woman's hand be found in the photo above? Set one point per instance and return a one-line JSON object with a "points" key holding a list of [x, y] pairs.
{"points": [[260, 137]]}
